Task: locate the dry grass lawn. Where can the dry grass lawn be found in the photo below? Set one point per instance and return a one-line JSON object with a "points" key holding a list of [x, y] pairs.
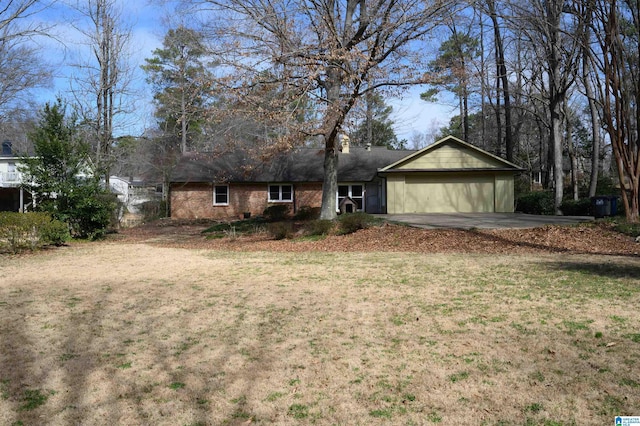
{"points": [[111, 333]]}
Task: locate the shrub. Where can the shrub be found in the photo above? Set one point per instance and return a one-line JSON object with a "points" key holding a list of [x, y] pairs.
{"points": [[152, 210], [93, 215], [576, 208], [537, 202], [280, 230], [28, 231], [276, 212], [624, 227], [319, 227], [54, 232], [308, 213], [351, 222]]}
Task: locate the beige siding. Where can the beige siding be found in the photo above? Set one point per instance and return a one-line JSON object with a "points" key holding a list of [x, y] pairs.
{"points": [[450, 157], [449, 194], [504, 193], [395, 194]]}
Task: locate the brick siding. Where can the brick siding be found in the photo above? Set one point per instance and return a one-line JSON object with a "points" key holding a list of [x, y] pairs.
{"points": [[195, 200]]}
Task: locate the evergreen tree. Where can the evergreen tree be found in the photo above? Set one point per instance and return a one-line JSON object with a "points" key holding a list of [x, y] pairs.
{"points": [[182, 83], [377, 127], [60, 179], [451, 71]]}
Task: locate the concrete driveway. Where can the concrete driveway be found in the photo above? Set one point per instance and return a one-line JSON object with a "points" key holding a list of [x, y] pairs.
{"points": [[482, 220]]}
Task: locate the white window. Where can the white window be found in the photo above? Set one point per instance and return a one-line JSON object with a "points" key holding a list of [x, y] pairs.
{"points": [[537, 177], [280, 193], [220, 195], [354, 191]]}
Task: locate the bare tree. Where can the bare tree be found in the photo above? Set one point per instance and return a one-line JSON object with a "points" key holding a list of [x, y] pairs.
{"points": [[14, 19], [502, 80], [556, 37], [326, 48], [101, 87], [21, 68], [586, 9], [617, 29]]}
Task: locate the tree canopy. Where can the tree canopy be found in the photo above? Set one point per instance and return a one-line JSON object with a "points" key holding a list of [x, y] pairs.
{"points": [[182, 82]]}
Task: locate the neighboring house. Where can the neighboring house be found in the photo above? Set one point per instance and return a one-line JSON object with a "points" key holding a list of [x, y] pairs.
{"points": [[447, 176], [133, 194], [13, 197]]}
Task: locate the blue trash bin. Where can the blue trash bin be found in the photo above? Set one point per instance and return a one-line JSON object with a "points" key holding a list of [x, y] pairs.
{"points": [[601, 206], [614, 205]]}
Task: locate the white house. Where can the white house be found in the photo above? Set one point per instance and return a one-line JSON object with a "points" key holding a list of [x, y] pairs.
{"points": [[12, 196]]}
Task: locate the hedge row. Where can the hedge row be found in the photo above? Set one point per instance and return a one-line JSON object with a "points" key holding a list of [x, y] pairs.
{"points": [[29, 231], [541, 202]]}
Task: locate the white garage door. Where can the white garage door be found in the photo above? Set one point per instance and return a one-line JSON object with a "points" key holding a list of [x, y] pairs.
{"points": [[449, 194]]}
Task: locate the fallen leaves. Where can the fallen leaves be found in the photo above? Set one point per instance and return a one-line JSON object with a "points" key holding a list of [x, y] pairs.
{"points": [[586, 239]]}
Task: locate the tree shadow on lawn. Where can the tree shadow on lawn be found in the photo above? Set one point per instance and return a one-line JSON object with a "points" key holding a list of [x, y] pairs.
{"points": [[606, 268], [552, 246], [82, 376]]}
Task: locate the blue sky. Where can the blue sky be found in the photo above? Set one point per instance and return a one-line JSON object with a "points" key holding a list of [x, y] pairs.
{"points": [[148, 26]]}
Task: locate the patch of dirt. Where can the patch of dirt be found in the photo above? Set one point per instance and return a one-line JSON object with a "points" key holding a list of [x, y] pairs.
{"points": [[596, 238]]}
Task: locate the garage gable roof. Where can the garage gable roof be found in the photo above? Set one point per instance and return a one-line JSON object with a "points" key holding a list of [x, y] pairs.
{"points": [[451, 154]]}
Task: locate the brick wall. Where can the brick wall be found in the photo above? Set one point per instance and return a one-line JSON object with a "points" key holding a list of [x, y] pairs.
{"points": [[195, 200], [308, 194]]}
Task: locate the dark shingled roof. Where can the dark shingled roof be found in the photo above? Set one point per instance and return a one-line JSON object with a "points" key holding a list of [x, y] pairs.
{"points": [[299, 165]]}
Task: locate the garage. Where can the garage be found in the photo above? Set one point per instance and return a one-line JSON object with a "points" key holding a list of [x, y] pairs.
{"points": [[449, 194], [450, 176]]}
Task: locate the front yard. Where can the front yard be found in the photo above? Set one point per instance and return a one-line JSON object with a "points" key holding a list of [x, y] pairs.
{"points": [[132, 333]]}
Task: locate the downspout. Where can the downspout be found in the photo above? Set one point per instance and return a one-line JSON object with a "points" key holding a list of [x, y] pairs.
{"points": [[382, 196]]}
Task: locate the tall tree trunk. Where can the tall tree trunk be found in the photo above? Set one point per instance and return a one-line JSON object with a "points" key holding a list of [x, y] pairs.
{"points": [[571, 149], [183, 102], [595, 131], [621, 96], [496, 36], [502, 77], [556, 143], [556, 97], [332, 122], [369, 116], [465, 116], [587, 11], [483, 87]]}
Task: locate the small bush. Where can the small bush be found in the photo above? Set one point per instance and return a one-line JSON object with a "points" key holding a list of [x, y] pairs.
{"points": [[244, 227], [54, 232], [154, 209], [276, 212], [280, 230], [621, 225], [28, 231], [319, 227], [537, 202], [308, 213], [351, 222], [576, 208]]}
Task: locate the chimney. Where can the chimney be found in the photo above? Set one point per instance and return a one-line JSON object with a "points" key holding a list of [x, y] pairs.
{"points": [[6, 148], [345, 144]]}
